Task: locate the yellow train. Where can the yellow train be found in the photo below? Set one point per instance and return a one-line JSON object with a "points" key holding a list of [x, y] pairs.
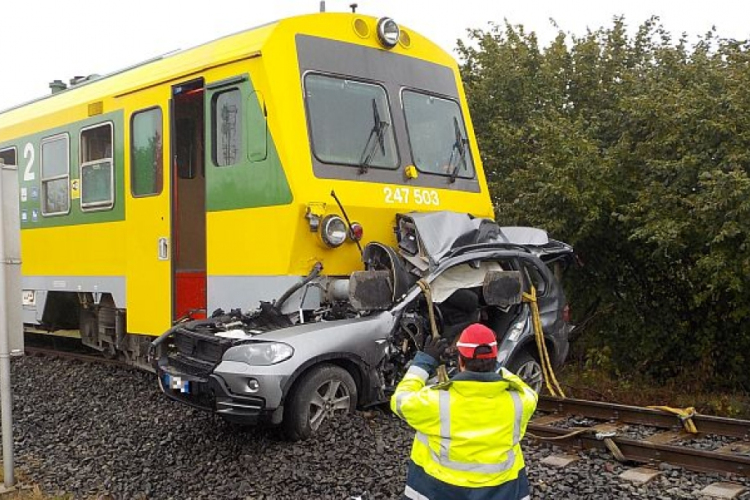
{"points": [[218, 176]]}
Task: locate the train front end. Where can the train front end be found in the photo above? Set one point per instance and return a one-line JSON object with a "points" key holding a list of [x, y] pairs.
{"points": [[366, 120]]}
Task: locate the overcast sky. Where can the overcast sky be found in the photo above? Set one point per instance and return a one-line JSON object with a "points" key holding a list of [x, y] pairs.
{"points": [[44, 40]]}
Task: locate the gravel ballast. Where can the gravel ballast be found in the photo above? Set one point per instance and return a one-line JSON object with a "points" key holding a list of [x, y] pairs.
{"points": [[88, 429]]}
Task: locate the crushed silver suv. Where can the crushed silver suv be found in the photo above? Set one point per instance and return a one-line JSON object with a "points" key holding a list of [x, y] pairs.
{"points": [[303, 368]]}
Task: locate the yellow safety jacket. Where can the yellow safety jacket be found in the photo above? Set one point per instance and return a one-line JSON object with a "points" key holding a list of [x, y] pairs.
{"points": [[468, 429]]}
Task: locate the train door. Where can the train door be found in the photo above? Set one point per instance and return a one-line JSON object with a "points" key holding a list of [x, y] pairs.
{"points": [[149, 284], [188, 200], [239, 176]]}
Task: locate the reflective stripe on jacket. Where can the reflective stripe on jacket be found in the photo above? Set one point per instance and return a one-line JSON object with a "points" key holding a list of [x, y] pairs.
{"points": [[469, 429]]}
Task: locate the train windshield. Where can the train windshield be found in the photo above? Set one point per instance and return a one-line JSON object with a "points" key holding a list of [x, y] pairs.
{"points": [[437, 135], [350, 122]]}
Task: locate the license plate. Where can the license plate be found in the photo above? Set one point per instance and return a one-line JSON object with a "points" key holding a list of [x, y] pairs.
{"points": [[177, 383]]}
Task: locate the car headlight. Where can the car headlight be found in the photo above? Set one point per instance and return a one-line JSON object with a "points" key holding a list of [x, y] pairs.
{"points": [[260, 353]]}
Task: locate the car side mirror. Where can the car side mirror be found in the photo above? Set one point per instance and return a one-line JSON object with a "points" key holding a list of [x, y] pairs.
{"points": [[502, 288], [371, 290]]}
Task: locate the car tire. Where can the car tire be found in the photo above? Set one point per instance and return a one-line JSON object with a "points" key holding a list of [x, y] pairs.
{"points": [[527, 366], [324, 393]]}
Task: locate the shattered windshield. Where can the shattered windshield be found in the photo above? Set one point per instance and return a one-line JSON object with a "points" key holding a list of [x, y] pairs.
{"points": [[350, 122], [437, 135]]}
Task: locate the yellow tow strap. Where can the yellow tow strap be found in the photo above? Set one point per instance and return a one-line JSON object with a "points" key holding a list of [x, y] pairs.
{"points": [[553, 386], [684, 414], [442, 374]]}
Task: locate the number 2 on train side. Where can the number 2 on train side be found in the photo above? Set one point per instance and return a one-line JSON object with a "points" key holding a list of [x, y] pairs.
{"points": [[28, 154]]}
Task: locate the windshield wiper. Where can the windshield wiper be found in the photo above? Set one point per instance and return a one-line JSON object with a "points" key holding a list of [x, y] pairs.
{"points": [[377, 132], [460, 147]]}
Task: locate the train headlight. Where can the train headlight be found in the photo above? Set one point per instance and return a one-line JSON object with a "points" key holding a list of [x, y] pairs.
{"points": [[333, 230], [388, 32]]}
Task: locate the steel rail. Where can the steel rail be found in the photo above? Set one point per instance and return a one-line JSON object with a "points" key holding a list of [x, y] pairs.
{"points": [[647, 452], [705, 424], [88, 358]]}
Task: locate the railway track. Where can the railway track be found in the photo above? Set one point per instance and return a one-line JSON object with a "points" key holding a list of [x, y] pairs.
{"points": [[630, 433], [76, 355], [645, 435]]}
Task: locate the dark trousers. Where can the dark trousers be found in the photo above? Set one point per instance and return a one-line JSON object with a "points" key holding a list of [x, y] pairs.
{"points": [[422, 486]]}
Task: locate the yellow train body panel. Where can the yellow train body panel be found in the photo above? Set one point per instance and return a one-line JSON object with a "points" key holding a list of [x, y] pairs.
{"points": [[74, 255], [295, 248]]}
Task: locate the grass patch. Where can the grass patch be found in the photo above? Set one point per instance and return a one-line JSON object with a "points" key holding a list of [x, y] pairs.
{"points": [[600, 385], [24, 490], [34, 493]]}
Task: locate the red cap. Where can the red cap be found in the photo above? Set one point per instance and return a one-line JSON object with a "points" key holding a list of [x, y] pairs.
{"points": [[474, 336]]}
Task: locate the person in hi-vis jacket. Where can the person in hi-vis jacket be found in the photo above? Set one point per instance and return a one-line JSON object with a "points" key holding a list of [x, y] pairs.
{"points": [[469, 429]]}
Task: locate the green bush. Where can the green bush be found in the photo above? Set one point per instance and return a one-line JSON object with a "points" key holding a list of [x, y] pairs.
{"points": [[636, 150]]}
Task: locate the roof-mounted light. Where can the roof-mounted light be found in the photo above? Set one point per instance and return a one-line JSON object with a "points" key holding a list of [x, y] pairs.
{"points": [[388, 32]]}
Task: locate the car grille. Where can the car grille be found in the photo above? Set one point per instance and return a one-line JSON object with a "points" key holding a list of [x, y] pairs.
{"points": [[190, 366], [195, 353]]}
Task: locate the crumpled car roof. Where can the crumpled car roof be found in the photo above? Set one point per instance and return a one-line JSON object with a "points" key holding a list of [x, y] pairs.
{"points": [[441, 232]]}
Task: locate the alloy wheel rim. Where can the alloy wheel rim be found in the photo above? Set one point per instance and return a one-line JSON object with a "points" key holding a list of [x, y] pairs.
{"points": [[531, 373], [330, 398]]}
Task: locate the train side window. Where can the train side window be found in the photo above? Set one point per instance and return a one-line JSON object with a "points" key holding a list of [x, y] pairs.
{"points": [[56, 175], [8, 156], [97, 168], [226, 128], [146, 153]]}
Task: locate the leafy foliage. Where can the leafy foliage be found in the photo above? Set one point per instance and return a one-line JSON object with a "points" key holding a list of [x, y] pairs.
{"points": [[636, 150]]}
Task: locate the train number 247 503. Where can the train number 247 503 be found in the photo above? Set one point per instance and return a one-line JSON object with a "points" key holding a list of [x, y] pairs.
{"points": [[405, 195]]}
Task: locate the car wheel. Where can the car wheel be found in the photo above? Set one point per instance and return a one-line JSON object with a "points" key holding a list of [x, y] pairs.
{"points": [[527, 367], [324, 393]]}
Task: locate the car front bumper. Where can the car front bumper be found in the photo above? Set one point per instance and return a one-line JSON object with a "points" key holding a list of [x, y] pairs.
{"points": [[214, 394]]}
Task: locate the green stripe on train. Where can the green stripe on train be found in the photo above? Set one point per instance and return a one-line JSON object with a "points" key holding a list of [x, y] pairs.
{"points": [[29, 158]]}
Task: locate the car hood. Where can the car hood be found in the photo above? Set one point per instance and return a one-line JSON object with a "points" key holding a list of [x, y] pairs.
{"points": [[358, 337], [304, 332]]}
